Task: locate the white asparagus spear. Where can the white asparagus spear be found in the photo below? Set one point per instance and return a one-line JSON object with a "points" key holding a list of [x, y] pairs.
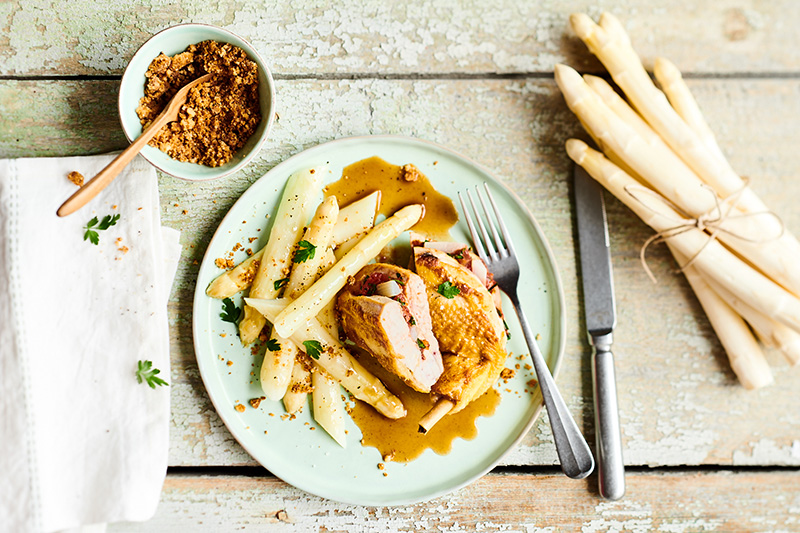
{"points": [[682, 101], [237, 279], [772, 333], [335, 359], [745, 355], [710, 257], [324, 290], [293, 212], [328, 405], [356, 218], [276, 368], [626, 68], [301, 381], [657, 165], [329, 409]]}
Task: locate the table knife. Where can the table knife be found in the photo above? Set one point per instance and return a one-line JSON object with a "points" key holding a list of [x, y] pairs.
{"points": [[600, 312]]}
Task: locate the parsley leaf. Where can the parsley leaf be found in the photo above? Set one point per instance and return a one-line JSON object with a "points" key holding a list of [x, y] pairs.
{"points": [[230, 313], [448, 290], [146, 373], [91, 235], [305, 251], [421, 343], [313, 348], [273, 345], [280, 283], [508, 332], [412, 322]]}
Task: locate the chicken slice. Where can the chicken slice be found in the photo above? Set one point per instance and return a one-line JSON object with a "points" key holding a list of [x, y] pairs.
{"points": [[470, 332], [396, 330]]}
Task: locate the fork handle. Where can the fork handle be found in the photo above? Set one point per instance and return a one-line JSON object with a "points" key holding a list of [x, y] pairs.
{"points": [[573, 452]]}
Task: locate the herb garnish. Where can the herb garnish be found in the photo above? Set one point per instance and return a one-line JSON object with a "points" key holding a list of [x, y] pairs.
{"points": [[508, 331], [146, 373], [273, 345], [459, 255], [448, 290], [313, 348], [280, 283], [92, 227], [421, 343], [230, 313], [305, 251], [412, 322]]}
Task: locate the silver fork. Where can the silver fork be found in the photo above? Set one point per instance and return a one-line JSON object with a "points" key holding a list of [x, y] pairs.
{"points": [[573, 451]]}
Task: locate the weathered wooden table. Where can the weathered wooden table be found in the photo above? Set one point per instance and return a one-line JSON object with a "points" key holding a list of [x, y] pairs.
{"points": [[702, 453]]}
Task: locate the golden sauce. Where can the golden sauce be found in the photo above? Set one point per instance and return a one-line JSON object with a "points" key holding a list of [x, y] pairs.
{"points": [[369, 175], [400, 440]]}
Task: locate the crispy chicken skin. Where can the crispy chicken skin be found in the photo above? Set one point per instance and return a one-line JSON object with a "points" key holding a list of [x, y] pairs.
{"points": [[396, 330], [470, 332]]}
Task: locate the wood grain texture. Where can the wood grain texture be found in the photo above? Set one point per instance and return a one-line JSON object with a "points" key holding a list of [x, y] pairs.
{"points": [[307, 37], [679, 402], [667, 502]]}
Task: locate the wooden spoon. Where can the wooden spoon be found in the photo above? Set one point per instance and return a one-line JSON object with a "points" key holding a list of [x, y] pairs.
{"points": [[92, 187]]}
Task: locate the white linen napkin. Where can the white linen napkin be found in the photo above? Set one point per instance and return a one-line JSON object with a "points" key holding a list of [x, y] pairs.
{"points": [[81, 442]]}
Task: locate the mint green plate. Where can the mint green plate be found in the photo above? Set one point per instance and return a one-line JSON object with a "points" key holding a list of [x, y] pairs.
{"points": [[310, 459]]}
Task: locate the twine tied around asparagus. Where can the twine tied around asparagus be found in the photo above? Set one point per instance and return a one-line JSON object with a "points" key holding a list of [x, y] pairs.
{"points": [[710, 221]]}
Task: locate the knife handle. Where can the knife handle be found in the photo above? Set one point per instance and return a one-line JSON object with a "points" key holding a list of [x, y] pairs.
{"points": [[611, 469]]}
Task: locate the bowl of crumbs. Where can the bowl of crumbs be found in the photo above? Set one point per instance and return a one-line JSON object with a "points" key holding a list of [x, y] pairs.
{"points": [[225, 119]]}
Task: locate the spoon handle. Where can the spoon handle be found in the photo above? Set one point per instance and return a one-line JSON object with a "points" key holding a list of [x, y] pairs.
{"points": [[93, 187]]}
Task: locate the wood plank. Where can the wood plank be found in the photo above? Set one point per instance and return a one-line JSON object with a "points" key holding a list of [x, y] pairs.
{"points": [[417, 37], [681, 501], [679, 401]]}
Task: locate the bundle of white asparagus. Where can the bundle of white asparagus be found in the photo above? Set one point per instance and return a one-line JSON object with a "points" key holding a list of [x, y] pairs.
{"points": [[663, 162], [303, 352]]}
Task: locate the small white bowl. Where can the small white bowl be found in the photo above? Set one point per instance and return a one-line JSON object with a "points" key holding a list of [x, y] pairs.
{"points": [[172, 41]]}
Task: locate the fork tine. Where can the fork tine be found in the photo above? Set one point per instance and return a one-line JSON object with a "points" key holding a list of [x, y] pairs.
{"points": [[489, 246], [476, 241], [503, 229], [501, 248]]}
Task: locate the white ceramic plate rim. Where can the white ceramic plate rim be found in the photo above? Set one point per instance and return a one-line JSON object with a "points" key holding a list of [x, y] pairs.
{"points": [[286, 474], [149, 151]]}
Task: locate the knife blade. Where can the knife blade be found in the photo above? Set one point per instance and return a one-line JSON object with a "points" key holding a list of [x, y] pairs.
{"points": [[601, 317]]}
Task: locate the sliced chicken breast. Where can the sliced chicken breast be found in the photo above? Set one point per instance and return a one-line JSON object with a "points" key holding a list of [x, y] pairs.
{"points": [[384, 310]]}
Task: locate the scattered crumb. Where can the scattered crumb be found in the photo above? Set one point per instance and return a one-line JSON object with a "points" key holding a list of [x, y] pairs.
{"points": [[176, 204], [507, 374], [114, 206], [255, 402], [229, 363], [224, 263], [538, 336], [251, 239], [238, 246], [409, 172], [381, 466], [185, 212], [281, 515], [76, 178], [385, 474], [239, 407], [531, 383], [517, 366]]}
